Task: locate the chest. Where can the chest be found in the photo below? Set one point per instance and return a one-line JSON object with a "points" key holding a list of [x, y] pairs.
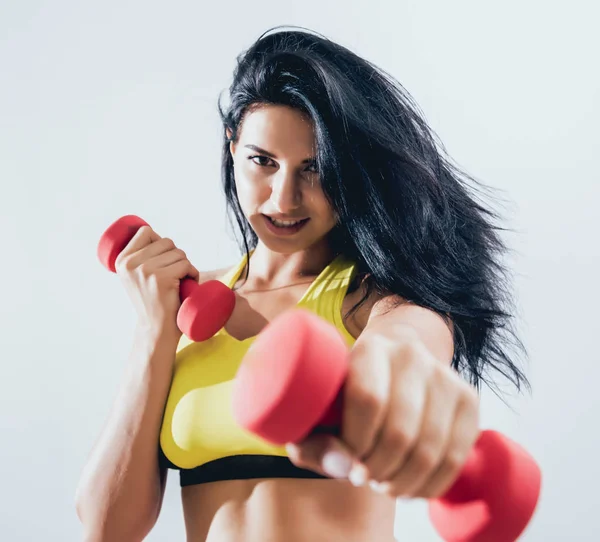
{"points": [[253, 311]]}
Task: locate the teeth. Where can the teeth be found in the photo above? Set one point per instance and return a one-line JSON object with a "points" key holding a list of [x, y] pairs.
{"points": [[284, 222]]}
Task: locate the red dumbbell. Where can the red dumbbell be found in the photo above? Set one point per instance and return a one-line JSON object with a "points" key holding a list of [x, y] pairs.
{"points": [[205, 308], [289, 385]]}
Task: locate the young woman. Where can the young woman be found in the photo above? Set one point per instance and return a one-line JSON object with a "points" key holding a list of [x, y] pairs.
{"points": [[345, 207]]}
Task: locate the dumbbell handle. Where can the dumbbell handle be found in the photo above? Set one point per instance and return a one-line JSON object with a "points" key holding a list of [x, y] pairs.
{"points": [[117, 237], [205, 308], [187, 288]]}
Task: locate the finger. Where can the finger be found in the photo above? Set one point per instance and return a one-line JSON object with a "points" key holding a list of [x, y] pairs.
{"points": [[143, 249], [181, 269], [164, 260], [366, 394], [434, 434], [464, 435], [142, 237], [193, 273], [157, 248], [401, 425], [324, 454], [176, 255]]}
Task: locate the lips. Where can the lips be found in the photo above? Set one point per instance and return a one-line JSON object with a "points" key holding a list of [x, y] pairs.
{"points": [[284, 230]]}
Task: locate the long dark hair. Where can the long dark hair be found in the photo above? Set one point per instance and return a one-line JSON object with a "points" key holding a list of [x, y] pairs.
{"points": [[407, 216]]}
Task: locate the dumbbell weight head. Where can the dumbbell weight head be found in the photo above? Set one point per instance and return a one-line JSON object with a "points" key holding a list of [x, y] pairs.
{"points": [[289, 385], [205, 308], [494, 497], [116, 237], [296, 366]]}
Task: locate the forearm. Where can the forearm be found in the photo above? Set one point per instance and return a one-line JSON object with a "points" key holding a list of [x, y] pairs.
{"points": [[119, 493]]}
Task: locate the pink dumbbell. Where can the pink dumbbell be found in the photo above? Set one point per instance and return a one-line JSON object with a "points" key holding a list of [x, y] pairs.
{"points": [[290, 384], [205, 308]]}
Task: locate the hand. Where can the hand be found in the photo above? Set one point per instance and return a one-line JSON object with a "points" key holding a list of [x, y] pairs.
{"points": [[151, 268], [409, 421]]}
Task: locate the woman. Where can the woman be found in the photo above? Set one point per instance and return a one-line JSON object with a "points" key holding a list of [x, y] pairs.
{"points": [[384, 240]]}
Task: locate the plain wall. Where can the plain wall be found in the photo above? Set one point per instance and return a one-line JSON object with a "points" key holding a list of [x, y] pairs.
{"points": [[110, 108]]}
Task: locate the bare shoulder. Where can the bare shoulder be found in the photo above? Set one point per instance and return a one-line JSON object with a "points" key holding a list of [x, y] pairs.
{"points": [[375, 303], [215, 274]]}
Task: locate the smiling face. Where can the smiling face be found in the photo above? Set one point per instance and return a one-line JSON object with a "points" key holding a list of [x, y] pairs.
{"points": [[275, 175]]}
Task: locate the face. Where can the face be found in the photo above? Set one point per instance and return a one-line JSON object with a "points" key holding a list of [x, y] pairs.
{"points": [[275, 174]]}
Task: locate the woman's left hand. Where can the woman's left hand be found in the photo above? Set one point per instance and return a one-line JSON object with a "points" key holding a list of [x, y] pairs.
{"points": [[409, 421]]}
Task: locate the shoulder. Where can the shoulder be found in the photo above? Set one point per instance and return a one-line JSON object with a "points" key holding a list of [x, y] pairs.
{"points": [[214, 274], [374, 304]]}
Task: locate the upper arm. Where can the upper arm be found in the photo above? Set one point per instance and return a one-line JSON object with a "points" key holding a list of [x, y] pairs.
{"points": [[431, 329], [435, 332]]}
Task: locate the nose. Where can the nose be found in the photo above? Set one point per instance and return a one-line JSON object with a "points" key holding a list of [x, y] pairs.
{"points": [[285, 192]]}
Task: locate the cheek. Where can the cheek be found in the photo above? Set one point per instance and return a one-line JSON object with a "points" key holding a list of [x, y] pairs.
{"points": [[321, 205], [247, 186]]}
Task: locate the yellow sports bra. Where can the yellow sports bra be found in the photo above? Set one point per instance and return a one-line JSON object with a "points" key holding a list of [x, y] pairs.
{"points": [[199, 436]]}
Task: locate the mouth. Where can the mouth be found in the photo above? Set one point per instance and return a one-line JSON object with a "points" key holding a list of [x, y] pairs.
{"points": [[282, 229]]}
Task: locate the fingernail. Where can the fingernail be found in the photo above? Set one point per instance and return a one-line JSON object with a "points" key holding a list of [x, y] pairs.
{"points": [[291, 448], [377, 486], [358, 476], [337, 464]]}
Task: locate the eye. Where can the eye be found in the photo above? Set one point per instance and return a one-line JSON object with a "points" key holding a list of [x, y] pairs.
{"points": [[308, 169], [314, 166], [258, 156]]}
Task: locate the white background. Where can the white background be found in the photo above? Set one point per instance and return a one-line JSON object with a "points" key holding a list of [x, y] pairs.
{"points": [[109, 108]]}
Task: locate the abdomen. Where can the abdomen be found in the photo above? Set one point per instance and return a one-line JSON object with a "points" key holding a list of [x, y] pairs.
{"points": [[294, 510]]}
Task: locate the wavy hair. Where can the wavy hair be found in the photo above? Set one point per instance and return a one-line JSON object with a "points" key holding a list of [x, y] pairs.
{"points": [[416, 225]]}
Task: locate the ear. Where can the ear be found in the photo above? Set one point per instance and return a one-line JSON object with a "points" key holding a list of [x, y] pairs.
{"points": [[231, 143]]}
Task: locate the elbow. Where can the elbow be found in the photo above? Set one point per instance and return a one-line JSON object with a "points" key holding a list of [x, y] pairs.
{"points": [[102, 525]]}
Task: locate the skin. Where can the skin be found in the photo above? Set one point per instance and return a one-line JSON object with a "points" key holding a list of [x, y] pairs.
{"points": [[284, 185], [409, 421], [281, 269]]}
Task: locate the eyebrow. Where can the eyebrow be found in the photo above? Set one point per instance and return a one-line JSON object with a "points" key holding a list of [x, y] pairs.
{"points": [[271, 155]]}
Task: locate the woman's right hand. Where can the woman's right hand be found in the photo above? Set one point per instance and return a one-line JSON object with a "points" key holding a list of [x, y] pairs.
{"points": [[151, 268]]}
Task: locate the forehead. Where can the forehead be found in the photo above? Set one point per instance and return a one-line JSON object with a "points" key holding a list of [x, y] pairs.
{"points": [[276, 127]]}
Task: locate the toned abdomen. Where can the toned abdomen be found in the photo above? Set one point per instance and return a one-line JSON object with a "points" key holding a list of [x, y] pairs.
{"points": [[286, 510]]}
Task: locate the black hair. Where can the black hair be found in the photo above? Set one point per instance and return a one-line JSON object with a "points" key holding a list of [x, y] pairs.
{"points": [[407, 216]]}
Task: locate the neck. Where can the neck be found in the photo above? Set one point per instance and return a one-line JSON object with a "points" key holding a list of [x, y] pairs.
{"points": [[271, 270]]}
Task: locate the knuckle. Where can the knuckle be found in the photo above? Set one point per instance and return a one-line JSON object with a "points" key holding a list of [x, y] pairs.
{"points": [[469, 395], [412, 352], [454, 460], [145, 272], [144, 232], [474, 401], [470, 404], [426, 456], [399, 438], [168, 242], [366, 400]]}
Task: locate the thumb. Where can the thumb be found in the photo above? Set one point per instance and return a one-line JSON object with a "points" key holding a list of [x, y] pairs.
{"points": [[324, 454]]}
